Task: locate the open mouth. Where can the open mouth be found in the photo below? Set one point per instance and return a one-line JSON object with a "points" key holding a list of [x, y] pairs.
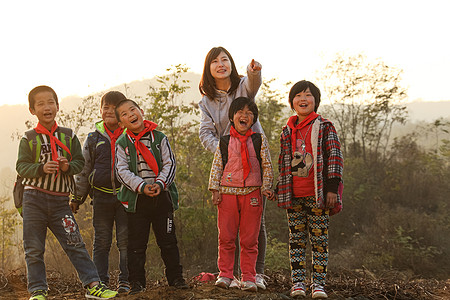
{"points": [[48, 115], [243, 122]]}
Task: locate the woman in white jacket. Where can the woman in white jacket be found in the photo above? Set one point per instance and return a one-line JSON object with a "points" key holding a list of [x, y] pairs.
{"points": [[220, 85]]}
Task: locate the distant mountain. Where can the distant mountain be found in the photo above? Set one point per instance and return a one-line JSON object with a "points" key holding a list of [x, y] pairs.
{"points": [[428, 111]]}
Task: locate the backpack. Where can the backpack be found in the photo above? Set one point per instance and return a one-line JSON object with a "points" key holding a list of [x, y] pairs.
{"points": [[35, 144], [225, 141]]}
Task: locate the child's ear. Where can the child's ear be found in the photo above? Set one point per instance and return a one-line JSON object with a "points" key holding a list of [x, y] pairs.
{"points": [[32, 111], [121, 125]]}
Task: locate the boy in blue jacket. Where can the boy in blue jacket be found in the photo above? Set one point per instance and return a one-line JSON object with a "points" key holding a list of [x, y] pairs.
{"points": [[146, 168], [98, 179]]}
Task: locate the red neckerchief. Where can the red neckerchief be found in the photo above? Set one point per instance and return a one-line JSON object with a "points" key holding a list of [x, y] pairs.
{"points": [[53, 140], [140, 147], [295, 127], [244, 150], [113, 136]]}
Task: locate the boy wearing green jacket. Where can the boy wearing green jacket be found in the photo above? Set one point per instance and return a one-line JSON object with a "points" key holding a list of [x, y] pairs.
{"points": [[47, 163], [146, 166]]}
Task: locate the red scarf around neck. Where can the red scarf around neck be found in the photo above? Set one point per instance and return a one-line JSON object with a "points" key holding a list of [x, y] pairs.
{"points": [[142, 149], [113, 136], [296, 127], [53, 140], [244, 149]]}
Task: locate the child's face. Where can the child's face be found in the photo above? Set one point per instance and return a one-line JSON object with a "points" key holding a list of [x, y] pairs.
{"points": [[243, 120], [108, 115], [45, 109], [303, 104], [131, 117], [220, 66]]}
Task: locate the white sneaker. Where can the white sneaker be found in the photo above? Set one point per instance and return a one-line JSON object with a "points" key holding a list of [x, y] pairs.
{"points": [[298, 290], [235, 284], [318, 292], [249, 286], [260, 281], [223, 282]]}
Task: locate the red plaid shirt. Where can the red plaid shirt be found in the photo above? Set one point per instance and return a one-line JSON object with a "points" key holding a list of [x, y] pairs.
{"points": [[328, 150]]}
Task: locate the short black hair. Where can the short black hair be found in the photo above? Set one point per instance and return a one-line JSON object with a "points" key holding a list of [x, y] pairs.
{"points": [[302, 86], [112, 97], [37, 90], [124, 101], [240, 103]]}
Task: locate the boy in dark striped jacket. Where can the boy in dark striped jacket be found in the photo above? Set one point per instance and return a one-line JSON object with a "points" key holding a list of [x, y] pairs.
{"points": [[146, 168], [47, 164], [310, 166]]}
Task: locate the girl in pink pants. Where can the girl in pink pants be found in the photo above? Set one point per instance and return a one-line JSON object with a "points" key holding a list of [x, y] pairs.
{"points": [[241, 173]]}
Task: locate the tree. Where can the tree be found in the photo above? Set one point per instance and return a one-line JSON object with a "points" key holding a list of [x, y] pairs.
{"points": [[365, 102], [164, 104]]}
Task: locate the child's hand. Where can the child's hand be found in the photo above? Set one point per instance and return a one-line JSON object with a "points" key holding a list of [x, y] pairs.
{"points": [[269, 194], [74, 207], [51, 167], [63, 163], [255, 66], [216, 197], [152, 190], [331, 199]]}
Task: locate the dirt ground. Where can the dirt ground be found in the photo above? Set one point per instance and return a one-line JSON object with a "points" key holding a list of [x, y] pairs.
{"points": [[350, 285]]}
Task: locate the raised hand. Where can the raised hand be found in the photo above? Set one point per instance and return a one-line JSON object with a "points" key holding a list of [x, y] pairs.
{"points": [[255, 66]]}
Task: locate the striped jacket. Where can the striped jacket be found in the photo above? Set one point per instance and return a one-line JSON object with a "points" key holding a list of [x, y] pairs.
{"points": [[30, 163], [328, 161]]}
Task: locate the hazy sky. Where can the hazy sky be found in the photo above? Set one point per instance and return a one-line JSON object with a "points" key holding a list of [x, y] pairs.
{"points": [[80, 47]]}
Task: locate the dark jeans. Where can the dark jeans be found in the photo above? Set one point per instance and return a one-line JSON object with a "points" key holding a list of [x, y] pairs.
{"points": [[156, 212], [42, 211], [262, 243], [105, 215]]}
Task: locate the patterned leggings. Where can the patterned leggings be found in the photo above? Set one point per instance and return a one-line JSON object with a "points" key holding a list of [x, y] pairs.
{"points": [[306, 218]]}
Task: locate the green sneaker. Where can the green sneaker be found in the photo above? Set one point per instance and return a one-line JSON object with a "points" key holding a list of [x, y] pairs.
{"points": [[39, 295], [100, 291]]}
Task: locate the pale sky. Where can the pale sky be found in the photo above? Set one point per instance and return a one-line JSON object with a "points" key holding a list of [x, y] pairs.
{"points": [[82, 47]]}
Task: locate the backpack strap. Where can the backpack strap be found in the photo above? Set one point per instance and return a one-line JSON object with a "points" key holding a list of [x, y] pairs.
{"points": [[34, 145], [223, 144], [66, 135], [257, 141]]}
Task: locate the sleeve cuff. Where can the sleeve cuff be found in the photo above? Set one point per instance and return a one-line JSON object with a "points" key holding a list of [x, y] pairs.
{"points": [[161, 184], [332, 185], [141, 187]]}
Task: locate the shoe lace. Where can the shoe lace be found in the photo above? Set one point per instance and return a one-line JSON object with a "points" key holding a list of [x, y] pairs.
{"points": [[263, 277], [298, 286], [318, 288]]}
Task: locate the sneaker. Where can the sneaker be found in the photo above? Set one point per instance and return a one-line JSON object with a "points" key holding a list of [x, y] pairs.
{"points": [[100, 291], [123, 288], [223, 282], [235, 284], [39, 295], [249, 286], [179, 283], [318, 292], [298, 290], [260, 281], [136, 287]]}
